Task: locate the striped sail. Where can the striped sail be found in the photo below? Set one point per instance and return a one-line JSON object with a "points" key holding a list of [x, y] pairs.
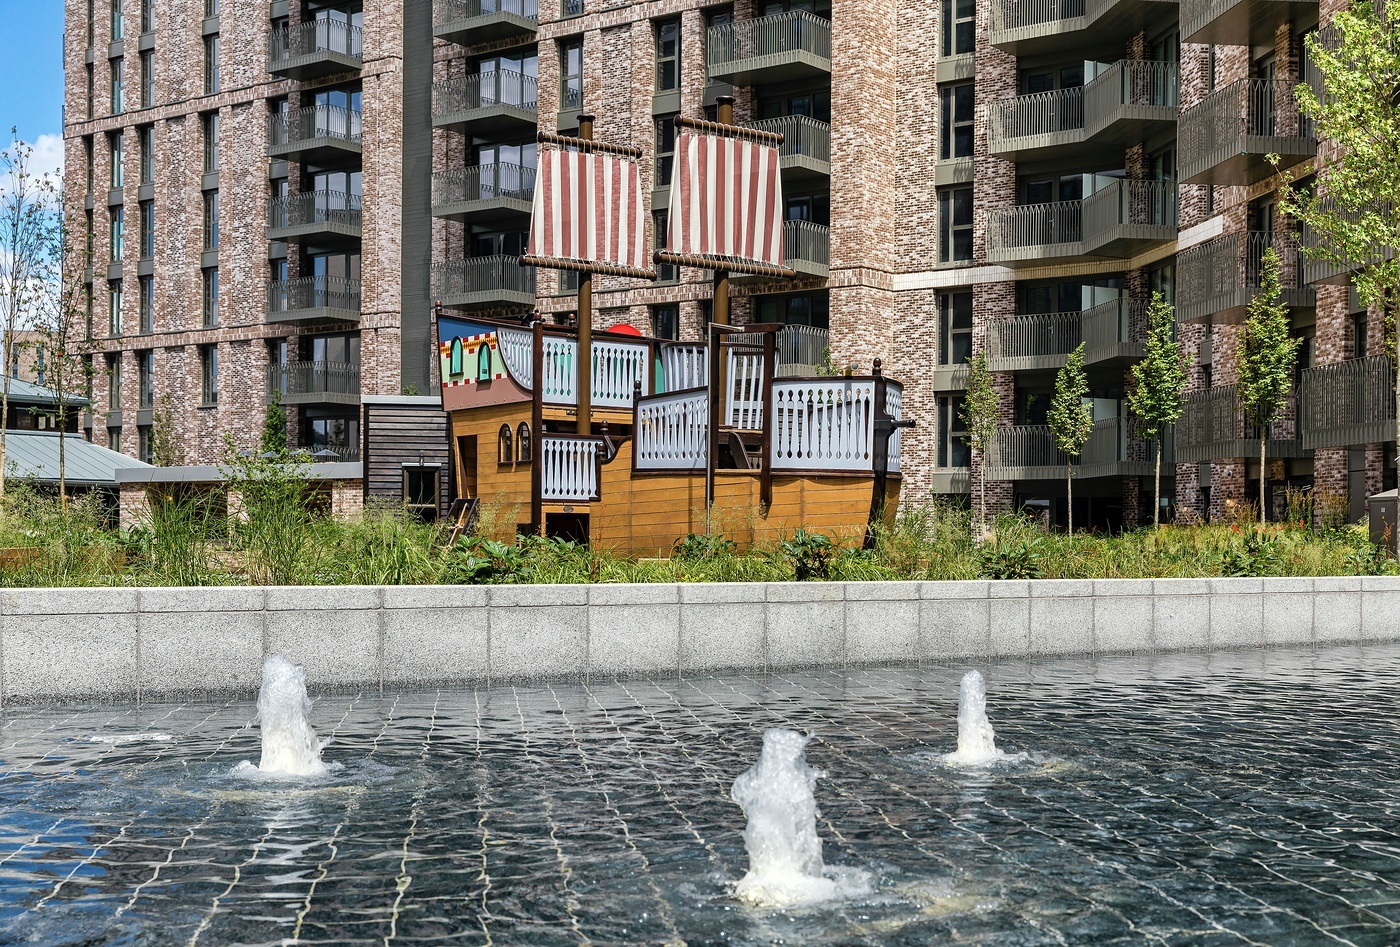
{"points": [[588, 209], [726, 200]]}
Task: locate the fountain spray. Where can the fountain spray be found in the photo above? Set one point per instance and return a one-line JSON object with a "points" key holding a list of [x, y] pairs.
{"points": [[289, 744], [976, 738]]}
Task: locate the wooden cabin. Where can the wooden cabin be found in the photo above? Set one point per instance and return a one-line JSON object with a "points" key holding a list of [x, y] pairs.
{"points": [[771, 452]]}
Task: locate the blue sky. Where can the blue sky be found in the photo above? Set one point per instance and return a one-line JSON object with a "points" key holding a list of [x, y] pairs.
{"points": [[31, 68]]}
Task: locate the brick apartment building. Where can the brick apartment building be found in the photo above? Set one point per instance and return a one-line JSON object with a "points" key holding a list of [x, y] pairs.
{"points": [[278, 193]]}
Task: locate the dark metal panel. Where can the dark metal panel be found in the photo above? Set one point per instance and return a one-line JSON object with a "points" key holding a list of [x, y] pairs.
{"points": [[416, 299]]}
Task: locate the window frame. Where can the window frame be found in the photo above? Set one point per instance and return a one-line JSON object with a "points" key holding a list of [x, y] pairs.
{"points": [[950, 126], [209, 296], [505, 445], [209, 375], [148, 78], [212, 82], [948, 328], [116, 233], [209, 124], [146, 230], [114, 309], [146, 304], [949, 231], [211, 219], [146, 135], [662, 313], [118, 86], [146, 378], [567, 79], [958, 30], [671, 61], [116, 153]]}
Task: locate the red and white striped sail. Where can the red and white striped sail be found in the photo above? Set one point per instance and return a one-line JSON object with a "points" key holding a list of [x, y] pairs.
{"points": [[726, 200], [588, 209]]}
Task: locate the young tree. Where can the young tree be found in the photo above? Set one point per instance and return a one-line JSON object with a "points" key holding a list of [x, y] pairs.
{"points": [[1159, 382], [1351, 212], [274, 435], [1268, 355], [979, 415], [1071, 420], [167, 448]]}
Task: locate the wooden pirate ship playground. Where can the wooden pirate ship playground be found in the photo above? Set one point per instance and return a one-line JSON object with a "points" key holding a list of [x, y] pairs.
{"points": [[633, 442]]}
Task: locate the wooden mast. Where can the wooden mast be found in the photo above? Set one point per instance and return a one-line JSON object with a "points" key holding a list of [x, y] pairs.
{"points": [[585, 323]]}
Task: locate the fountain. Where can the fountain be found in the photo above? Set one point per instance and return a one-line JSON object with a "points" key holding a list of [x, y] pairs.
{"points": [[977, 743], [785, 852], [289, 744]]}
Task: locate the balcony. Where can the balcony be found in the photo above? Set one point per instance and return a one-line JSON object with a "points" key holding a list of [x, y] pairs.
{"points": [[806, 149], [1114, 332], [807, 247], [312, 299], [324, 216], [486, 102], [1128, 102], [801, 350], [483, 193], [777, 48], [1225, 137], [314, 383], [1032, 27], [1212, 427], [1116, 222], [471, 22], [314, 133], [1348, 404], [1316, 269], [485, 282], [1241, 22], [314, 49], [1030, 342], [1028, 452], [948, 377], [950, 480], [1217, 279]]}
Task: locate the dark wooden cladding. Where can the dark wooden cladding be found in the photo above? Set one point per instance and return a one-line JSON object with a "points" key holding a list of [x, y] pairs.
{"points": [[397, 434]]}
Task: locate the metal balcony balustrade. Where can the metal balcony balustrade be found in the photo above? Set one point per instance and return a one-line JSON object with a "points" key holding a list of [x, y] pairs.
{"points": [[1115, 331], [485, 191], [950, 481], [801, 350], [1212, 426], [486, 101], [314, 48], [471, 22], [1240, 22], [314, 213], [1126, 102], [806, 147], [1032, 341], [952, 377], [314, 299], [1028, 452], [1317, 269], [1218, 278], [314, 133], [1028, 27], [1114, 222], [485, 282], [807, 247], [775, 48], [314, 383], [1348, 404], [1225, 138]]}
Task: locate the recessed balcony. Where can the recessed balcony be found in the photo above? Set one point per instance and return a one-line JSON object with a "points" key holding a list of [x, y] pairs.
{"points": [[1100, 27], [1212, 426], [483, 193], [486, 102], [314, 49], [1348, 404], [472, 22], [322, 216], [806, 149], [314, 133], [1028, 452], [1217, 279], [1225, 138], [778, 48], [1242, 22], [485, 282], [1115, 222], [294, 383], [807, 247], [1032, 341], [313, 299]]}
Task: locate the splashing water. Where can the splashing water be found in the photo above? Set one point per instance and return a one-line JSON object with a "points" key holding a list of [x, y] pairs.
{"points": [[976, 739], [785, 852], [289, 744]]}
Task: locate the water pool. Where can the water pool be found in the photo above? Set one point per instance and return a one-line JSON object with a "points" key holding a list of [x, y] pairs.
{"points": [[1229, 798]]}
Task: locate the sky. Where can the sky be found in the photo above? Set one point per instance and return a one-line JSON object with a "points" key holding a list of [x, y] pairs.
{"points": [[31, 76]]}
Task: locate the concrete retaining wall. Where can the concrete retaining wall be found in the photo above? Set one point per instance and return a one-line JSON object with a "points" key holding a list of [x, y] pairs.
{"points": [[127, 644]]}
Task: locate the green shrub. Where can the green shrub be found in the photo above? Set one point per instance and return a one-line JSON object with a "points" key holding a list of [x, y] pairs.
{"points": [[810, 555]]}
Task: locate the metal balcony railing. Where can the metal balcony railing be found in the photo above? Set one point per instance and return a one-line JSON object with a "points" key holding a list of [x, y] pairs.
{"points": [[1218, 278], [1349, 403], [806, 140], [483, 182], [314, 382], [801, 349], [484, 280], [449, 12], [342, 41], [1032, 341], [1318, 268], [1238, 22], [1025, 26], [1033, 225], [313, 208], [1115, 221], [1225, 138], [1041, 113], [1115, 329], [314, 122], [776, 46], [484, 90], [1129, 84], [1028, 452], [807, 246], [1134, 210], [336, 295], [1212, 426]]}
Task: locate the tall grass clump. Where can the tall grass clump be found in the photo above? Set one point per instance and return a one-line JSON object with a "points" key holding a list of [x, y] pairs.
{"points": [[57, 544], [271, 499], [384, 545]]}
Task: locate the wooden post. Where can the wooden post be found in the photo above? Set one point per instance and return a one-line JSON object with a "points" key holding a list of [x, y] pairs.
{"points": [[770, 368], [537, 434], [585, 323], [716, 408]]}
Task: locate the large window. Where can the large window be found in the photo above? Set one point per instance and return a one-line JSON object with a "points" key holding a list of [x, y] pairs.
{"points": [[210, 293], [958, 117], [145, 377], [571, 74], [666, 321], [114, 308], [147, 234], [118, 21], [343, 349], [146, 293], [148, 154], [668, 55], [955, 225], [799, 309], [955, 327], [952, 450], [814, 103], [210, 121], [211, 220], [148, 16], [118, 233], [209, 374], [117, 89], [959, 25], [114, 383], [211, 64], [665, 149], [148, 78], [117, 152], [660, 233]]}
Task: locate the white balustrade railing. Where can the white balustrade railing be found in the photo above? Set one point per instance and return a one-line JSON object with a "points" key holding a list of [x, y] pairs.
{"points": [[823, 425], [617, 367], [560, 382], [744, 399], [894, 407], [685, 365], [518, 351], [673, 431], [569, 467]]}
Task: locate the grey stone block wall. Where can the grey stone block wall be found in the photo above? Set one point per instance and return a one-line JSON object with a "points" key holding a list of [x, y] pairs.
{"points": [[133, 644]]}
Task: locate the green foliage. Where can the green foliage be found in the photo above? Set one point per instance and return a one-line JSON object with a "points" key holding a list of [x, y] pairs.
{"points": [[1257, 556], [697, 546], [167, 447], [1012, 558], [477, 561], [810, 555], [274, 434], [274, 520], [980, 406], [1071, 420], [1159, 380]]}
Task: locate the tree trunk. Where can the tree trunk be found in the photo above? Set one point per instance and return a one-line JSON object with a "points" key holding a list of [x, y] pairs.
{"points": [[1157, 486], [1263, 471], [7, 344], [62, 455], [1396, 369], [982, 491], [1069, 497]]}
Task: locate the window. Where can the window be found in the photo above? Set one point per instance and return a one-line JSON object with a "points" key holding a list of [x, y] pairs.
{"points": [[571, 75], [91, 90], [143, 444], [148, 154], [147, 234], [115, 147], [148, 78], [955, 225], [210, 294], [148, 16], [118, 92], [211, 8], [454, 358], [522, 443], [146, 297], [420, 490], [1162, 279], [951, 449], [117, 233], [210, 121], [504, 440], [666, 321], [958, 115], [114, 439], [959, 23], [211, 64], [211, 220], [209, 374], [145, 377], [483, 362], [801, 309], [1358, 334], [87, 158], [90, 18], [955, 328], [114, 310], [668, 55], [114, 387], [660, 233], [91, 233], [118, 21], [665, 149]]}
